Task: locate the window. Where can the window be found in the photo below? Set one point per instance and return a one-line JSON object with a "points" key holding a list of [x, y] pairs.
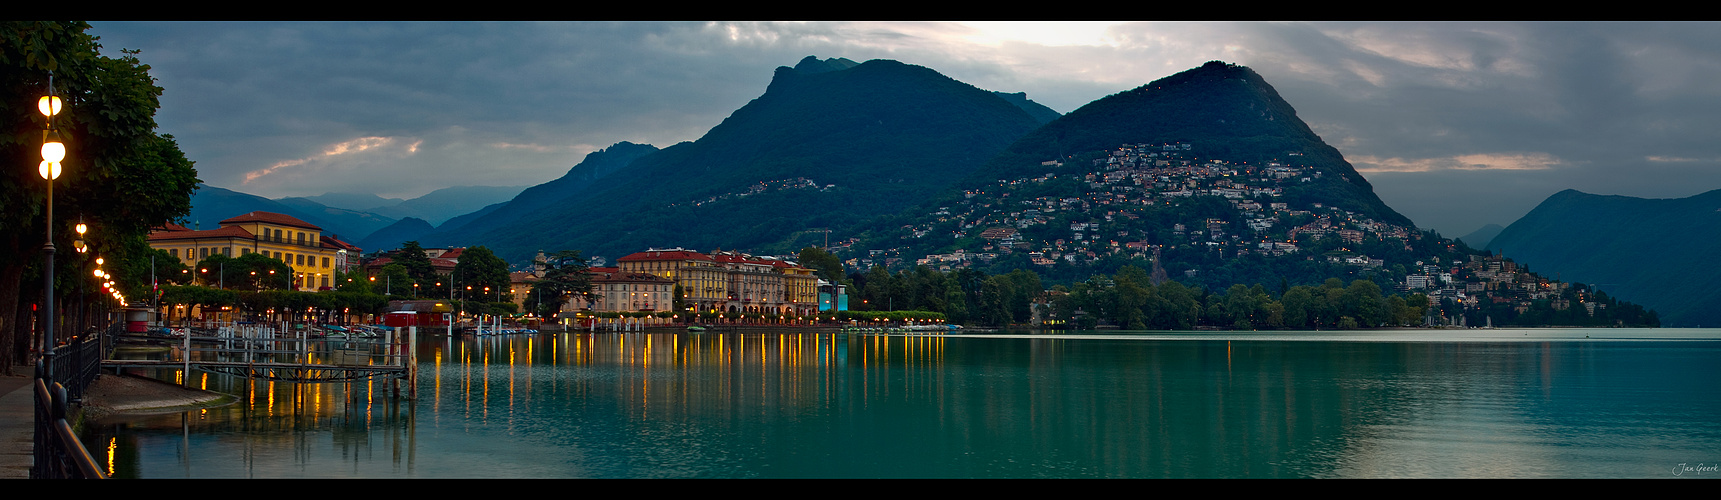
{"points": [[301, 238], [227, 251], [301, 259], [325, 262], [203, 252], [175, 253]]}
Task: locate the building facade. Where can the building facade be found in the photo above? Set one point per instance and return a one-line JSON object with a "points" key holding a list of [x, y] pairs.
{"points": [[731, 281], [313, 258]]}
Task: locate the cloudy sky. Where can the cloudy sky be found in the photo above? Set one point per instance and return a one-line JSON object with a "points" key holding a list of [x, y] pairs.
{"points": [[1456, 124]]}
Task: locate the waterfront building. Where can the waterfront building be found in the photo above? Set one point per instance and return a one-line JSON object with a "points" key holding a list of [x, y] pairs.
{"points": [[730, 281], [312, 257], [623, 291], [520, 284]]}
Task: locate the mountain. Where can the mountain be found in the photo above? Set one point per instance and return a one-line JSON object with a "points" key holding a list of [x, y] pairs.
{"points": [[596, 165], [435, 207], [1221, 111], [210, 205], [826, 146], [1038, 111], [1481, 237], [389, 238], [443, 204], [1656, 252], [352, 201]]}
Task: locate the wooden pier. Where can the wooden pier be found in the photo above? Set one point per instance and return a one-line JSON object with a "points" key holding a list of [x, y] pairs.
{"points": [[290, 355]]}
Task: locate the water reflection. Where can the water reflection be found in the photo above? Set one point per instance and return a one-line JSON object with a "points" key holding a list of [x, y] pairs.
{"points": [[782, 404]]}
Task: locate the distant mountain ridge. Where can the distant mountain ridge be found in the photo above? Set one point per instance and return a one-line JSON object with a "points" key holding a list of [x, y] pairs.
{"points": [[435, 207], [391, 237], [596, 165], [1656, 252], [210, 205], [827, 145], [1481, 237]]}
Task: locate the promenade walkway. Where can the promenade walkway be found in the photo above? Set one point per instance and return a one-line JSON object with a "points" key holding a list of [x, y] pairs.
{"points": [[17, 423]]}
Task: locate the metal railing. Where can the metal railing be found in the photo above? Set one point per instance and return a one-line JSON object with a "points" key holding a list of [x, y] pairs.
{"points": [[76, 365], [59, 453], [61, 377]]}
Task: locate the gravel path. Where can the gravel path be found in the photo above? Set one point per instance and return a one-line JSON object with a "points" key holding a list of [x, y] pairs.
{"points": [[122, 393]]}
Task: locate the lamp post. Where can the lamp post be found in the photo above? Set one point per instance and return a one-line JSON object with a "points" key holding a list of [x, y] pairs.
{"points": [[52, 152], [82, 248]]}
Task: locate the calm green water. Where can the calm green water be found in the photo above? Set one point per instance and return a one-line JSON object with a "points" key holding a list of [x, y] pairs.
{"points": [[1501, 403]]}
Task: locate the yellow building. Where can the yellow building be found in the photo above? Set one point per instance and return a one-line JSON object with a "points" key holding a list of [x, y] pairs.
{"points": [[313, 258]]}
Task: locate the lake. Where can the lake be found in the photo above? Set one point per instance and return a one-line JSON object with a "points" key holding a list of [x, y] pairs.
{"points": [[1537, 403]]}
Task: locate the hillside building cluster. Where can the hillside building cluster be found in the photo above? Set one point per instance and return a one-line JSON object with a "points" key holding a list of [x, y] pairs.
{"points": [[1122, 185]]}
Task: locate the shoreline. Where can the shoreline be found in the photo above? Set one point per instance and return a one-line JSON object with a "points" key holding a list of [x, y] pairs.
{"points": [[120, 395]]}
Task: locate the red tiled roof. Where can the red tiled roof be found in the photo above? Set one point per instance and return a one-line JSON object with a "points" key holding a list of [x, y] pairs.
{"points": [[272, 218], [664, 255], [187, 234], [437, 263], [336, 243], [632, 278]]}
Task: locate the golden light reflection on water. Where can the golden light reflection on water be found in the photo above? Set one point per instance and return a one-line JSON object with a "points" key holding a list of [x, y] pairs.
{"points": [[1055, 407]]}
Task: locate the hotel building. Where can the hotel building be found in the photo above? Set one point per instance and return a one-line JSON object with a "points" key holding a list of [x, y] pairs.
{"points": [[314, 258], [731, 281]]}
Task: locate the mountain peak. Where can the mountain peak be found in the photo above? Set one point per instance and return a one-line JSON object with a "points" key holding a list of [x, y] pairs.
{"points": [[811, 64], [1223, 111]]}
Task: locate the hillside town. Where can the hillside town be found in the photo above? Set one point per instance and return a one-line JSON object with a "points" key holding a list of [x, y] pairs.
{"points": [[1133, 202]]}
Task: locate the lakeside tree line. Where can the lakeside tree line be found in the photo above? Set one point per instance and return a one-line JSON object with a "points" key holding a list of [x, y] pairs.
{"points": [[1129, 300]]}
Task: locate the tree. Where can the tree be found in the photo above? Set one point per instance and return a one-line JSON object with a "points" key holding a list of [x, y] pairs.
{"points": [[112, 152], [484, 273], [353, 281], [829, 267], [565, 275], [416, 263], [393, 280]]}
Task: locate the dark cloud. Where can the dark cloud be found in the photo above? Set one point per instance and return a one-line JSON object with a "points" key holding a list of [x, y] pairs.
{"points": [[1598, 99], [1456, 124]]}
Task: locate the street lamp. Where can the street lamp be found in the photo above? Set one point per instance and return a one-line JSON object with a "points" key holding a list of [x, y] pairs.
{"points": [[53, 151], [82, 248]]}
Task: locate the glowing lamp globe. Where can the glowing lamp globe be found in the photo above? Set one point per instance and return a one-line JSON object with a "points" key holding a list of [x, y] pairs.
{"points": [[49, 170], [48, 105], [52, 149]]}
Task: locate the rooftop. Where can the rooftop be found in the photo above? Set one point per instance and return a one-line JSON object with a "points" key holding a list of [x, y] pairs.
{"points": [[271, 218]]}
